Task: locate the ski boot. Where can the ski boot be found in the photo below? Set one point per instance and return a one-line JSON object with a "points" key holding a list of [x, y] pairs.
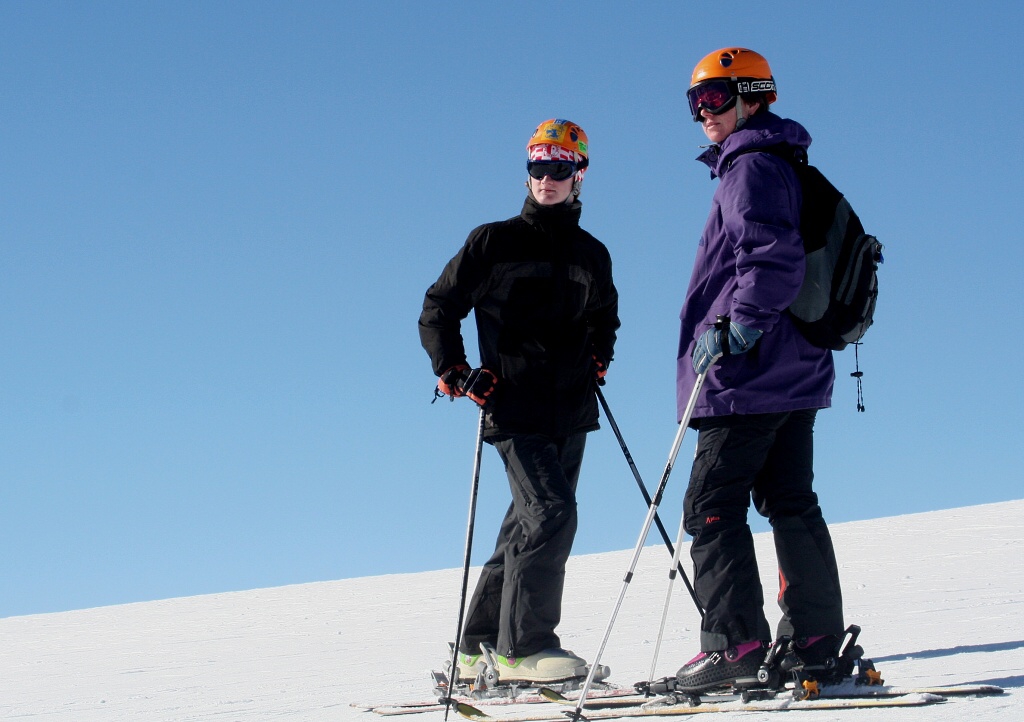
{"points": [[733, 667], [489, 675], [713, 675], [549, 665], [470, 665], [470, 678]]}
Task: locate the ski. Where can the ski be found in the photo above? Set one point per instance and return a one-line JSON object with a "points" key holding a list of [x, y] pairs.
{"points": [[487, 688], [658, 709], [845, 690], [505, 695], [625, 698], [953, 690]]}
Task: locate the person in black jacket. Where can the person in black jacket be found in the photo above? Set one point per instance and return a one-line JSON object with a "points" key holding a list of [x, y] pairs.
{"points": [[546, 315]]}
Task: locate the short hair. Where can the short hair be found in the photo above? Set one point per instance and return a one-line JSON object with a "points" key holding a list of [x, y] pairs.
{"points": [[761, 98]]}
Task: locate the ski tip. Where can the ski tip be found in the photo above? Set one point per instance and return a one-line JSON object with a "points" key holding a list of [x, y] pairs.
{"points": [[469, 711], [550, 694], [990, 689]]}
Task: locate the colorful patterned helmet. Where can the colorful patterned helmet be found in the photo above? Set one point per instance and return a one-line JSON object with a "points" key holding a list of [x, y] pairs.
{"points": [[746, 69], [559, 139]]}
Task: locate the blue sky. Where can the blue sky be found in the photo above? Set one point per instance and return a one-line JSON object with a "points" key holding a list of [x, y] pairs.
{"points": [[217, 222]]}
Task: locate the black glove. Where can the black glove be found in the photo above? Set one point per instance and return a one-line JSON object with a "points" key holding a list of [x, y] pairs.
{"points": [[451, 381], [479, 385], [461, 380]]}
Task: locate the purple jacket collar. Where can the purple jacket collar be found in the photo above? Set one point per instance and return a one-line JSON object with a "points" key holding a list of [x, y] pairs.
{"points": [[760, 131]]}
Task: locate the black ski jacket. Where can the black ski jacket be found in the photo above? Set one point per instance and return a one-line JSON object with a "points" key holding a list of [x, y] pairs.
{"points": [[545, 305]]}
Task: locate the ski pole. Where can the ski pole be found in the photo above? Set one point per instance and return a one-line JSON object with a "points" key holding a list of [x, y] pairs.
{"points": [[722, 324], [668, 597], [647, 498], [474, 487], [577, 713]]}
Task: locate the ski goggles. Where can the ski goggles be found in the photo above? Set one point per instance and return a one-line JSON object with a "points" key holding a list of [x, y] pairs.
{"points": [[717, 96], [714, 96], [557, 170]]}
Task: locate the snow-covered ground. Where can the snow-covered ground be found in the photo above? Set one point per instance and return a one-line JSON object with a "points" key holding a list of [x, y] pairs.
{"points": [[940, 597]]}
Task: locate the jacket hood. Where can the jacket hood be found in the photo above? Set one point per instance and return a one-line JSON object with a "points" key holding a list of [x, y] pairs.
{"points": [[760, 131]]}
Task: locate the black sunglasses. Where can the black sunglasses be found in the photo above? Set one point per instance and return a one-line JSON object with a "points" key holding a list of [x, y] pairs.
{"points": [[557, 170]]}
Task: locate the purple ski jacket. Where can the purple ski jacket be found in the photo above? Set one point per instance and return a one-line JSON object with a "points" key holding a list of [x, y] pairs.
{"points": [[749, 266]]}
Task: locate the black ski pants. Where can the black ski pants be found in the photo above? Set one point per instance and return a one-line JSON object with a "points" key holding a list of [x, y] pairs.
{"points": [[767, 458], [518, 599]]}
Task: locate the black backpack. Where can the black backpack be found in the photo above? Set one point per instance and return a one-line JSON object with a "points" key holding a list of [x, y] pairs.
{"points": [[836, 304]]}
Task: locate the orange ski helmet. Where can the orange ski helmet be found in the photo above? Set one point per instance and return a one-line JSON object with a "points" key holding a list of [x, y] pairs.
{"points": [[559, 139], [743, 71]]}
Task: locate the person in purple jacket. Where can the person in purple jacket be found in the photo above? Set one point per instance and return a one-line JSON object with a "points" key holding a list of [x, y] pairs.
{"points": [[764, 384]]}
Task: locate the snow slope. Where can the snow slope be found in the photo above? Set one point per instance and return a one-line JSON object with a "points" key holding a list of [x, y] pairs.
{"points": [[940, 597]]}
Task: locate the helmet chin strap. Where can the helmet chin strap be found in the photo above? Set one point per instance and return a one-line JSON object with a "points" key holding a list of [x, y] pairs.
{"points": [[741, 119]]}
